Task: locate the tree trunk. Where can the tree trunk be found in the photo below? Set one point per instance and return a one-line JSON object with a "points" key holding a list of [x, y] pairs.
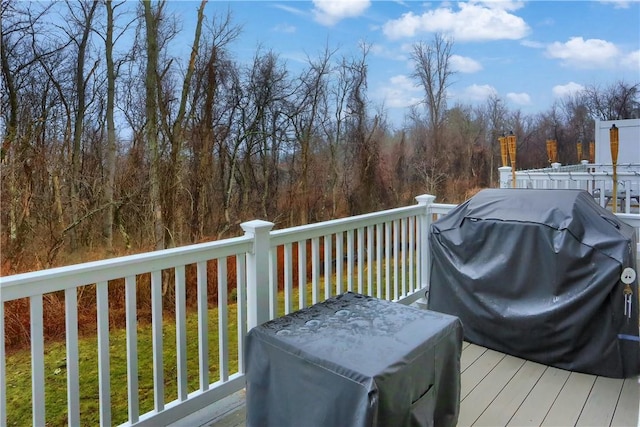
{"points": [[151, 127], [107, 230], [76, 152]]}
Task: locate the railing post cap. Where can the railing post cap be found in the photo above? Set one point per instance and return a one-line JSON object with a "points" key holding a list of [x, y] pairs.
{"points": [[556, 165], [504, 168], [425, 199], [584, 162], [256, 225]]}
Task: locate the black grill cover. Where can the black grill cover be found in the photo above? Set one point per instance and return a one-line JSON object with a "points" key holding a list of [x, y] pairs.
{"points": [[536, 274]]}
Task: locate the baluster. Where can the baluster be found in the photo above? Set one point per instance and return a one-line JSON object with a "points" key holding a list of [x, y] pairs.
{"points": [[327, 266], [412, 233], [273, 283], [315, 269], [181, 332], [288, 279], [387, 259], [379, 241], [241, 285], [104, 381], [360, 235], [37, 361], [73, 371], [339, 262], [131, 320], [403, 255], [156, 340], [396, 257], [302, 274], [350, 249], [203, 326], [223, 320], [370, 260]]}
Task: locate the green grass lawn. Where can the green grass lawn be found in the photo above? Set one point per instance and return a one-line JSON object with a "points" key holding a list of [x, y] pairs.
{"points": [[19, 372]]}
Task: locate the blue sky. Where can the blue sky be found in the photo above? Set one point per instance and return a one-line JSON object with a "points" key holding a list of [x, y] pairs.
{"points": [[529, 53]]}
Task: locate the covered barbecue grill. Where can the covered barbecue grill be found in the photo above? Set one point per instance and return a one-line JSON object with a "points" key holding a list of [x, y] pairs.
{"points": [[537, 274]]}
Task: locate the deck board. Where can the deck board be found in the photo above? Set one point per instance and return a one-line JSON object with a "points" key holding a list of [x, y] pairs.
{"points": [[540, 398], [510, 398], [474, 404], [502, 390], [470, 353], [479, 369], [601, 403], [628, 405], [568, 406]]}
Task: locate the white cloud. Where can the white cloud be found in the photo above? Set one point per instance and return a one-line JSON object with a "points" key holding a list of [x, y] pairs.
{"points": [[400, 92], [464, 64], [631, 60], [330, 12], [519, 98], [405, 26], [560, 91], [291, 10], [284, 28], [581, 53], [383, 52], [617, 4], [478, 92], [532, 44], [472, 21]]}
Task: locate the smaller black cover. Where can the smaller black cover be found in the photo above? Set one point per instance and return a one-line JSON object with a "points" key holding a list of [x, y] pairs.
{"points": [[536, 274], [352, 361]]}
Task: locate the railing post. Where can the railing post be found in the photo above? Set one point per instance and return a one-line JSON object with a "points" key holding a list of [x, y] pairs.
{"points": [[424, 200], [505, 176], [258, 271]]}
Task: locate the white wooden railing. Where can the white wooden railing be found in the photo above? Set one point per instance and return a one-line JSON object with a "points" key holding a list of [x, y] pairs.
{"points": [[594, 178], [383, 254]]}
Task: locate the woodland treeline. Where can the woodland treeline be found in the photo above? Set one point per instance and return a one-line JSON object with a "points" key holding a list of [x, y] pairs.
{"points": [[114, 140]]}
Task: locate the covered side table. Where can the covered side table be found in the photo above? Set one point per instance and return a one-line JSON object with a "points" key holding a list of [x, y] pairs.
{"points": [[354, 360]]}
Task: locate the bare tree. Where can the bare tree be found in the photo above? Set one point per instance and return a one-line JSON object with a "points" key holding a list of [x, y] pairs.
{"points": [[174, 128], [215, 101], [311, 92], [262, 124], [30, 111], [81, 81], [432, 69], [364, 138], [109, 189], [617, 101], [495, 113]]}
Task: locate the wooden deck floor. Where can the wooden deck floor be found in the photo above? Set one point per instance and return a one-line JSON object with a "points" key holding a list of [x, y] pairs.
{"points": [[502, 390]]}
